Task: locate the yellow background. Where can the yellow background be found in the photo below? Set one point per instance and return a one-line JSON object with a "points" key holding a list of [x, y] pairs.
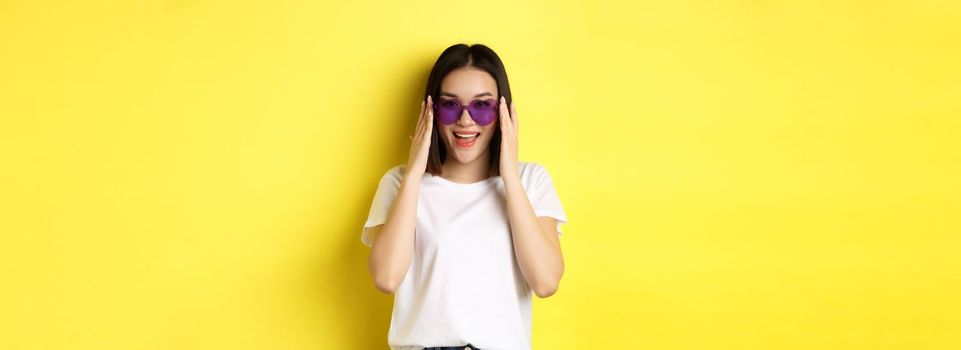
{"points": [[737, 174]]}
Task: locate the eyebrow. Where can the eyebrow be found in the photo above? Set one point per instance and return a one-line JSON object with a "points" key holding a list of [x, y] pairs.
{"points": [[448, 94]]}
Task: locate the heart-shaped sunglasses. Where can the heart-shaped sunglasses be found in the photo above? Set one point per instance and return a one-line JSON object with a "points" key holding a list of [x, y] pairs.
{"points": [[482, 111]]}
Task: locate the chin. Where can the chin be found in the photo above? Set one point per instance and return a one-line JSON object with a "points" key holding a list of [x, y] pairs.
{"points": [[466, 155]]}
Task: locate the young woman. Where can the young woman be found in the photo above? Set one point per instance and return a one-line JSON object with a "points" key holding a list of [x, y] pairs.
{"points": [[464, 232]]}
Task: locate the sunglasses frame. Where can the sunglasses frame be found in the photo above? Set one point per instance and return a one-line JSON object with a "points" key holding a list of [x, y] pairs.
{"points": [[448, 118]]}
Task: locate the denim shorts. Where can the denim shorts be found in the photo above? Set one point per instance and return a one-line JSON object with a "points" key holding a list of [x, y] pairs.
{"points": [[462, 347]]}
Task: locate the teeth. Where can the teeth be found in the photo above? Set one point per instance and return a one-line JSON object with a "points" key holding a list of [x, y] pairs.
{"points": [[465, 136]]}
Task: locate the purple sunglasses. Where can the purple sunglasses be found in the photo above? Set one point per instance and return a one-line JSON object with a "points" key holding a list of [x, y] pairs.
{"points": [[481, 111]]}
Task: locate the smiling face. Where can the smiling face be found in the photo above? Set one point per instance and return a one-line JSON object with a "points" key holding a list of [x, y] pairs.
{"points": [[466, 140]]}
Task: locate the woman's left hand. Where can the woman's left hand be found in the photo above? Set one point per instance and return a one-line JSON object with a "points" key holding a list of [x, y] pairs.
{"points": [[508, 123]]}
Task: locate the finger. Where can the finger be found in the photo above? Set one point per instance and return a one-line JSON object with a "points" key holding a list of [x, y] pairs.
{"points": [[505, 118], [430, 114], [504, 110], [430, 118], [422, 123], [420, 118], [514, 113], [423, 115], [423, 105]]}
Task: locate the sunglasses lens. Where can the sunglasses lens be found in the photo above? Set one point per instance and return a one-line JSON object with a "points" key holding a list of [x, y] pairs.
{"points": [[447, 111], [483, 111]]}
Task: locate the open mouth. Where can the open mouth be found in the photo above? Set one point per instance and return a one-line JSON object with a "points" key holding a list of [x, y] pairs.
{"points": [[465, 139]]}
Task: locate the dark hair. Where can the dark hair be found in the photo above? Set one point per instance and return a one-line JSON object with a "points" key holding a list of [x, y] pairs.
{"points": [[460, 56]]}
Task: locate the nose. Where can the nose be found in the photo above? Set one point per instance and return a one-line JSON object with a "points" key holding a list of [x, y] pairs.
{"points": [[465, 119]]}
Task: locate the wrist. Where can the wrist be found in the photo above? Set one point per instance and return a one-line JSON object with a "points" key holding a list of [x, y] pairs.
{"points": [[511, 177], [413, 176]]}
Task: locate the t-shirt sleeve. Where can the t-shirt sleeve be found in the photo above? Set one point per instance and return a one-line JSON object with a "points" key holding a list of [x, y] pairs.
{"points": [[544, 197], [383, 199]]}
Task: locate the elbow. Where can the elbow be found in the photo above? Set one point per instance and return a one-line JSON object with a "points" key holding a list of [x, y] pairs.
{"points": [[545, 289], [387, 278], [387, 283], [385, 286], [547, 285], [384, 279]]}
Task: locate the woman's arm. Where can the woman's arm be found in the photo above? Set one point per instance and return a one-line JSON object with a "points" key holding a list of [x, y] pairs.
{"points": [[393, 242], [393, 245], [536, 242]]}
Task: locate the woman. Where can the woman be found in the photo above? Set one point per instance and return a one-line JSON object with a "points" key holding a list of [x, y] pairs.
{"points": [[464, 232]]}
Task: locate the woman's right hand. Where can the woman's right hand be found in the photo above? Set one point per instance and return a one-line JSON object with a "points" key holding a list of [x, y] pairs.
{"points": [[420, 140]]}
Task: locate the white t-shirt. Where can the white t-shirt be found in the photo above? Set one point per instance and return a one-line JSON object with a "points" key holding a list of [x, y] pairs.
{"points": [[464, 284]]}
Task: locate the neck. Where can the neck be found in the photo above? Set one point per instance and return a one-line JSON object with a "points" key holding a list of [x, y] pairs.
{"points": [[459, 172]]}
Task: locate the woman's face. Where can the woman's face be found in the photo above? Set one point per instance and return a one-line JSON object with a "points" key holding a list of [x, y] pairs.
{"points": [[465, 85]]}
